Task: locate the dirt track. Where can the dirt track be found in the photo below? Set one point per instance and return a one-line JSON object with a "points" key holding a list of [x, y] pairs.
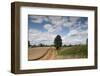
{"points": [[42, 53]]}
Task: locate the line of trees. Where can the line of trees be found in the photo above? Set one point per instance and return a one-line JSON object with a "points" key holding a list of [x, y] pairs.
{"points": [[39, 45], [57, 43]]}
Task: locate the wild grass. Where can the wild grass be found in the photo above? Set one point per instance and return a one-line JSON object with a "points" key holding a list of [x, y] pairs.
{"points": [[80, 51]]}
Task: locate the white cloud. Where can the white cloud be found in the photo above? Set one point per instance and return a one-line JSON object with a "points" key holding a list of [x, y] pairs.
{"points": [[48, 27], [70, 21], [33, 34], [57, 22], [37, 37], [37, 19], [75, 35], [52, 29]]}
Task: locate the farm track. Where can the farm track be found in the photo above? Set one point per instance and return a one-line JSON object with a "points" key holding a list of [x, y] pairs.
{"points": [[48, 54], [51, 55]]}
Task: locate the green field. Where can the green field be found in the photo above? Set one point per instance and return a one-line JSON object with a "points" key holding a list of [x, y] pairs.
{"points": [[77, 51]]}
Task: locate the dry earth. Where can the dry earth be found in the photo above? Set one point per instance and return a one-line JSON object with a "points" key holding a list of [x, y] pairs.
{"points": [[42, 53]]}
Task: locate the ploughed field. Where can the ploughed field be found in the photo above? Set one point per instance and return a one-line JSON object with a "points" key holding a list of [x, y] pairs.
{"points": [[50, 53]]}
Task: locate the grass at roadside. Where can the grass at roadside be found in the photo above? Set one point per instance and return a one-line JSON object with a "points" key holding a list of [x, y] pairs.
{"points": [[80, 51]]}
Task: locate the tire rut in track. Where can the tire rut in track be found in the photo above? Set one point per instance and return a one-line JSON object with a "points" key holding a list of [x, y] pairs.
{"points": [[50, 54]]}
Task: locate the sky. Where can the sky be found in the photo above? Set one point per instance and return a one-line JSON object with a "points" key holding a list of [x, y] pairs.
{"points": [[43, 29]]}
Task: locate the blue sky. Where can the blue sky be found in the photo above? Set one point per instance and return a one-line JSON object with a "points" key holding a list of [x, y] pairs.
{"points": [[43, 29]]}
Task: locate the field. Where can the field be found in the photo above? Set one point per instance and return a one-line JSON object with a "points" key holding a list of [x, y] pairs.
{"points": [[79, 51], [50, 53]]}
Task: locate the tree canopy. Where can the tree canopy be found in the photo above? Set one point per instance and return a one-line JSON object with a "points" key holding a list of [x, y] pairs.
{"points": [[58, 42]]}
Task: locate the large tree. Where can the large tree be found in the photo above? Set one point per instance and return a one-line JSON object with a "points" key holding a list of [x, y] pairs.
{"points": [[58, 42], [29, 44]]}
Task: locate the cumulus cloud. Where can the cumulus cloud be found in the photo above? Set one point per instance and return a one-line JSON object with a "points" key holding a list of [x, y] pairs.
{"points": [[38, 19], [77, 34], [52, 29], [58, 22], [70, 21], [75, 37], [37, 37]]}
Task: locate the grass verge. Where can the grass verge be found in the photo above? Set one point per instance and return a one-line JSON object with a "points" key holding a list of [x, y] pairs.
{"points": [[80, 51]]}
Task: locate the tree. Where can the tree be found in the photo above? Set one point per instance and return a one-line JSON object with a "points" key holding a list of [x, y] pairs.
{"points": [[87, 41], [29, 44], [58, 42], [64, 45], [41, 45]]}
